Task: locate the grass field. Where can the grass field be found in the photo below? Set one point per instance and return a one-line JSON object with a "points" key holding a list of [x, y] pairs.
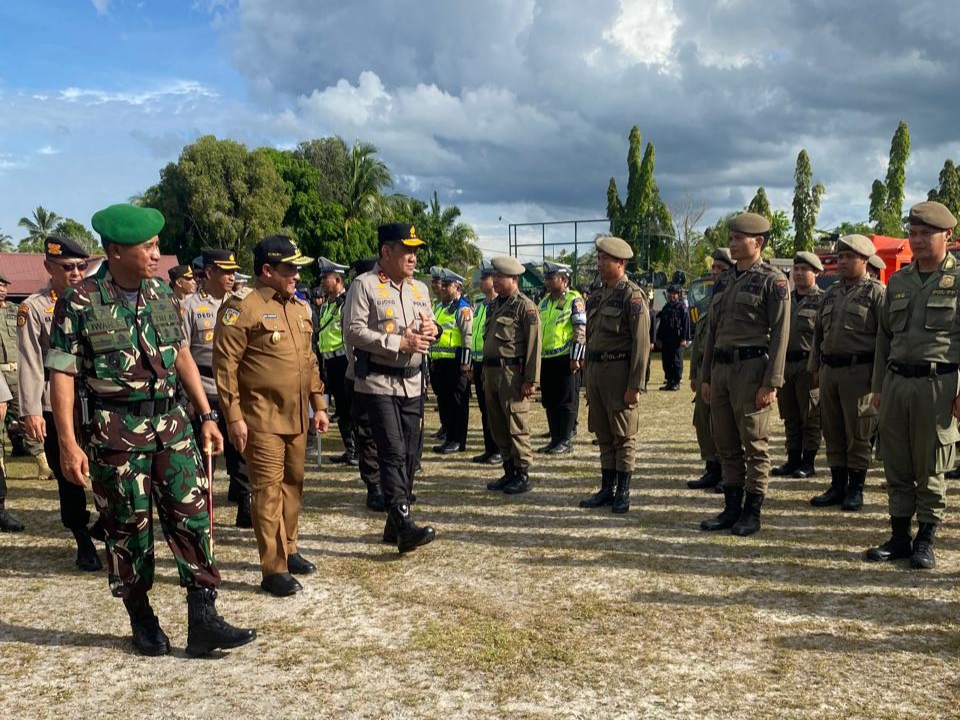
{"points": [[524, 607]]}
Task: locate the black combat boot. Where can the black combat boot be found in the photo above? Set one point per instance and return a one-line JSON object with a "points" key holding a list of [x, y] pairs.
{"points": [[923, 558], [837, 491], [87, 558], [8, 523], [520, 483], [790, 466], [608, 481], [732, 509], [749, 521], [621, 498], [375, 500], [710, 479], [409, 535], [505, 479], [206, 630], [899, 545], [807, 468], [244, 520], [148, 637], [854, 498]]}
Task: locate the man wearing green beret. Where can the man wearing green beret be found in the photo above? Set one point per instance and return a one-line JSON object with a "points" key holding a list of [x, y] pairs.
{"points": [[916, 386], [799, 400], [743, 363], [844, 340], [117, 347]]}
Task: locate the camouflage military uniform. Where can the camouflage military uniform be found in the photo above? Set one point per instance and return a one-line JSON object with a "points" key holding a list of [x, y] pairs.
{"points": [[122, 350]]}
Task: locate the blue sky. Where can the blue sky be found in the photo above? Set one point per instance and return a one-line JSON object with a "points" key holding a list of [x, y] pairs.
{"points": [[512, 108]]}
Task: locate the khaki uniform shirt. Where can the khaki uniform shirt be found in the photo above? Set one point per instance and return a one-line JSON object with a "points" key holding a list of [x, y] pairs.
{"points": [[803, 314], [5, 394], [8, 334], [919, 320], [263, 361], [696, 347], [846, 322], [752, 310], [375, 315], [198, 318], [512, 330], [618, 320], [34, 321]]}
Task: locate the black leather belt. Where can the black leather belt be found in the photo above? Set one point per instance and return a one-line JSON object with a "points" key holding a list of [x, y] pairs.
{"points": [[838, 361], [923, 370], [725, 357], [798, 355], [140, 408], [502, 362], [206, 372], [400, 372], [607, 356]]}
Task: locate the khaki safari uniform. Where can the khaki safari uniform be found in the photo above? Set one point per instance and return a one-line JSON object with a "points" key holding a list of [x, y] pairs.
{"points": [[267, 375], [618, 348], [745, 350], [918, 349], [701, 410], [511, 357], [799, 403], [9, 367], [844, 340]]}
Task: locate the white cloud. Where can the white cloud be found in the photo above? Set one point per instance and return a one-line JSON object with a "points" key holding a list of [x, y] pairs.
{"points": [[179, 88], [101, 5], [48, 150], [644, 32]]}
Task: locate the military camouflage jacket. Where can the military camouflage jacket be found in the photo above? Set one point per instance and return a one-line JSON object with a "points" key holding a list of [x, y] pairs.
{"points": [[121, 351], [8, 333]]}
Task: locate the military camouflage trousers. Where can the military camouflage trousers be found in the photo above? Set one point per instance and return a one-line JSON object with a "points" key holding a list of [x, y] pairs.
{"points": [[126, 484]]}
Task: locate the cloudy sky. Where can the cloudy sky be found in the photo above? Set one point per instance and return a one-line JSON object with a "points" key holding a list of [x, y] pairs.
{"points": [[509, 108]]}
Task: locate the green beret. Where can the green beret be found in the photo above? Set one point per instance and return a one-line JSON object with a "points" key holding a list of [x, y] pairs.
{"points": [[508, 266], [808, 258], [615, 247], [723, 255], [127, 224], [876, 263], [934, 214], [856, 243], [749, 223]]}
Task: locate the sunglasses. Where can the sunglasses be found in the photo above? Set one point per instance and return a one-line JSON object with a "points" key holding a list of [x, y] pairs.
{"points": [[72, 267]]}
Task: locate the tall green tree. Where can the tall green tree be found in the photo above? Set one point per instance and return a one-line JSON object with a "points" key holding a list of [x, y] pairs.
{"points": [[806, 203], [760, 204], [450, 242], [39, 227], [218, 194], [369, 176], [886, 198], [78, 232], [948, 188], [331, 157], [614, 207]]}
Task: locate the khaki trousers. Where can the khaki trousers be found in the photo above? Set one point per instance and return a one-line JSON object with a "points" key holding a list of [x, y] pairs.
{"points": [[740, 431], [701, 423], [507, 413], [799, 406], [615, 425], [275, 464], [845, 433]]}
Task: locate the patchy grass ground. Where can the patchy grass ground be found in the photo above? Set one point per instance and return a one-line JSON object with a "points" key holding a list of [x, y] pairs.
{"points": [[525, 607]]}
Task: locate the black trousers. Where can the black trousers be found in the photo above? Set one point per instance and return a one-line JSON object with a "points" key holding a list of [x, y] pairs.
{"points": [[453, 399], [489, 445], [335, 382], [560, 391], [366, 447], [395, 425], [672, 358], [236, 465], [73, 498]]}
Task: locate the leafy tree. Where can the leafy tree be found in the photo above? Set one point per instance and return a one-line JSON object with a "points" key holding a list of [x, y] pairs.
{"points": [[367, 179], [614, 207], [38, 228], [780, 242], [853, 228], [450, 243], [948, 189], [886, 198], [331, 157], [806, 203], [78, 232], [760, 205]]}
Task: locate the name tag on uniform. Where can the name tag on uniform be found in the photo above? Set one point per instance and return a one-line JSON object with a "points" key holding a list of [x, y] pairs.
{"points": [[269, 316]]}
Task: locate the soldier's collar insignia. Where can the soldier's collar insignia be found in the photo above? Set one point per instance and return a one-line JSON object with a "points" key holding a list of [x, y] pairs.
{"points": [[947, 281], [950, 263], [383, 276]]}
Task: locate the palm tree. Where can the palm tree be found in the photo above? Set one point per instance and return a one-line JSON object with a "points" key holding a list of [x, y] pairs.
{"points": [[449, 241], [368, 177], [6, 243], [40, 227]]}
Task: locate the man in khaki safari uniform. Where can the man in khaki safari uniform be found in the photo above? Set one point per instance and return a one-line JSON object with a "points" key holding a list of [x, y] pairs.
{"points": [[511, 370], [843, 347], [618, 347], [917, 386], [743, 363]]}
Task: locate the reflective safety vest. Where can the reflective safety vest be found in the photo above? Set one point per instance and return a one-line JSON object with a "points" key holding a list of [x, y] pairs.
{"points": [[556, 325], [451, 339], [330, 325], [476, 340]]}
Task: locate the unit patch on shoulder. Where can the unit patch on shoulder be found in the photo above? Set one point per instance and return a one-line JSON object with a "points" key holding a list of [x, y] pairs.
{"points": [[22, 313], [467, 314], [230, 316], [781, 289]]}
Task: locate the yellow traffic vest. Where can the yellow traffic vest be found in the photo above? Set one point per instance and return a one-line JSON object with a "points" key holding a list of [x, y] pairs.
{"points": [[476, 340], [451, 339], [556, 325], [330, 324]]}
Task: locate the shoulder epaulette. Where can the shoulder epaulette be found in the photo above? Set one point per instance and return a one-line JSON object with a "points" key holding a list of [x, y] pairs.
{"points": [[242, 292]]}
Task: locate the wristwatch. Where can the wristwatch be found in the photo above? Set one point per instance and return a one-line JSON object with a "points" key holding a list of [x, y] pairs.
{"points": [[211, 416]]}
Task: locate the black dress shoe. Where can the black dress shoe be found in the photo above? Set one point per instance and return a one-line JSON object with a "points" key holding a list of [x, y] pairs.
{"points": [[448, 448], [548, 447], [299, 565], [440, 434], [281, 584], [481, 458], [561, 448], [494, 459]]}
